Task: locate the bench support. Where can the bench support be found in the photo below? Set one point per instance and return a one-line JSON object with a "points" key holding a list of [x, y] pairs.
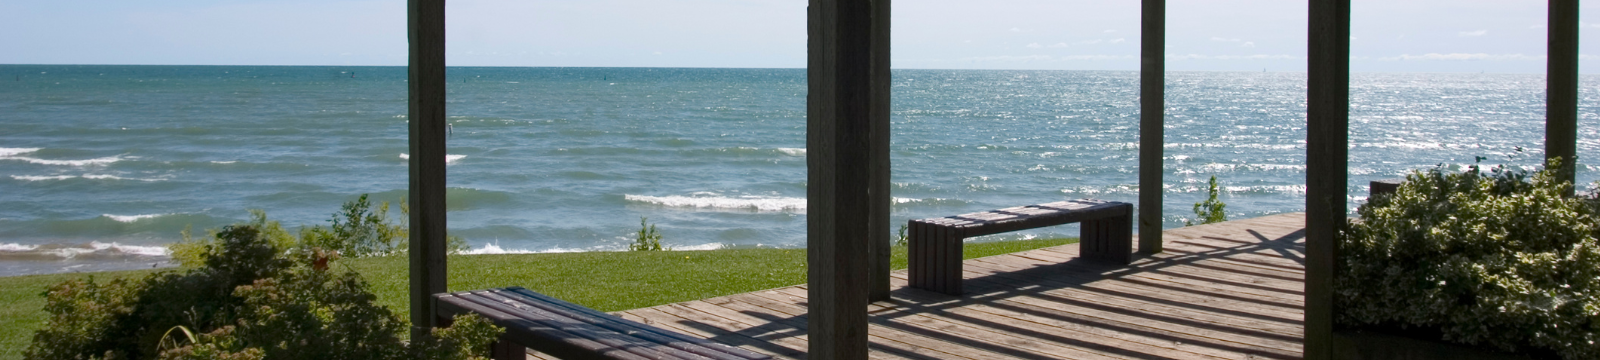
{"points": [[936, 243]]}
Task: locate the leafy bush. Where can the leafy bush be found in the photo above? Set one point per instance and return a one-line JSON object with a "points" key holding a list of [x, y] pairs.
{"points": [[1211, 210], [1490, 259], [647, 239], [252, 298], [357, 230]]}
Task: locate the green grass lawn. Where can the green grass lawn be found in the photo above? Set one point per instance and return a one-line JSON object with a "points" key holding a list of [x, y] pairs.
{"points": [[606, 281]]}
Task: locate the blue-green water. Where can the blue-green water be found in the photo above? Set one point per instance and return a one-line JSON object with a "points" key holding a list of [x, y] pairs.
{"points": [[99, 165]]}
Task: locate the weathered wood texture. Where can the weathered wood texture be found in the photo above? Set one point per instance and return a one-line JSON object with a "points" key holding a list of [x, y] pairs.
{"points": [[1152, 112], [1230, 290], [839, 138], [934, 255], [558, 328], [1383, 186], [1327, 159], [426, 117], [882, 200], [1561, 86]]}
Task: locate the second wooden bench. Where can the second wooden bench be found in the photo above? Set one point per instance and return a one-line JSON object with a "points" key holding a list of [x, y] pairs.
{"points": [[935, 243]]}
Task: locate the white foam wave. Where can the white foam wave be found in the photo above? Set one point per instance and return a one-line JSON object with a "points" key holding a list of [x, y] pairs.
{"points": [[114, 177], [17, 247], [758, 203], [9, 152], [709, 246], [223, 162], [448, 158], [85, 176], [42, 178], [93, 249], [131, 218], [496, 249], [793, 151], [86, 162]]}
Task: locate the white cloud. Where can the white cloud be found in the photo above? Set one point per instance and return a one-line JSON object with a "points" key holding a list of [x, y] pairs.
{"points": [[1472, 33], [1091, 42], [1034, 45], [1117, 40], [1108, 31], [1059, 45], [1015, 29], [1463, 57], [1248, 44], [1218, 39]]}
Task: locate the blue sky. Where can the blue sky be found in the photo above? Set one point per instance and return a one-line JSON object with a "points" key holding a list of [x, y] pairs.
{"points": [[1501, 36]]}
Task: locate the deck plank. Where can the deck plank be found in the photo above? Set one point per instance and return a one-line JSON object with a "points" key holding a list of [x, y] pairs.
{"points": [[1231, 290]]}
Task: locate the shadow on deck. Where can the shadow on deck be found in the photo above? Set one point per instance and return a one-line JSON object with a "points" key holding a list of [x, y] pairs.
{"points": [[1231, 290]]}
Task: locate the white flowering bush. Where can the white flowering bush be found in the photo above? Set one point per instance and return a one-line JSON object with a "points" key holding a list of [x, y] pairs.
{"points": [[1498, 259]]}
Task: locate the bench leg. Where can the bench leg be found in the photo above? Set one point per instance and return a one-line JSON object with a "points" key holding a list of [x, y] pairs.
{"points": [[1107, 239], [934, 258], [506, 350]]}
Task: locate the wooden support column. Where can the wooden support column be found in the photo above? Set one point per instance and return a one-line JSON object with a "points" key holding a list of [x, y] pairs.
{"points": [[425, 29], [1327, 155], [1561, 88], [1152, 111], [879, 194], [839, 138]]}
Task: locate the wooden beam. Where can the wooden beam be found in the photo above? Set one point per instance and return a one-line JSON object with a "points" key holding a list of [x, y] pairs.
{"points": [[426, 81], [1327, 160], [1561, 88], [1152, 112], [839, 140], [879, 194]]}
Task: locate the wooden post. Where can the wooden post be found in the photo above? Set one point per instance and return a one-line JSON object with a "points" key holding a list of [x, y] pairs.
{"points": [[879, 194], [1327, 141], [839, 140], [1561, 88], [427, 127], [1152, 110]]}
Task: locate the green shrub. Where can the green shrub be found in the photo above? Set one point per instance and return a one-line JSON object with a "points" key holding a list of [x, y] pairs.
{"points": [[251, 298], [647, 239], [1497, 259], [1212, 210]]}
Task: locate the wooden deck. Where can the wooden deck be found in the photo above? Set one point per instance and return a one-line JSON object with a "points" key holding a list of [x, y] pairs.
{"points": [[1232, 290]]}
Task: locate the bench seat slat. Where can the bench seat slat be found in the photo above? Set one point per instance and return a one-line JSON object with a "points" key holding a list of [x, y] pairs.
{"points": [[538, 333], [679, 341], [569, 331], [935, 253], [611, 343]]}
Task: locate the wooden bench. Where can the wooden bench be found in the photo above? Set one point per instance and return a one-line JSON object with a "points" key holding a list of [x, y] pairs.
{"points": [[935, 253], [568, 331]]}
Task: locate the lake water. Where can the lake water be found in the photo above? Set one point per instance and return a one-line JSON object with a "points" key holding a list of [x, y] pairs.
{"points": [[101, 165]]}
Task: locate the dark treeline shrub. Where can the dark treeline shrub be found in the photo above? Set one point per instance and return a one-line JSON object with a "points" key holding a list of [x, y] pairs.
{"points": [[251, 298], [1498, 259]]}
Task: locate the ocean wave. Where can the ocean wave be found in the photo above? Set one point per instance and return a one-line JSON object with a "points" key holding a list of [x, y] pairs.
{"points": [[92, 250], [84, 176], [793, 151], [85, 162], [495, 249], [9, 152], [448, 158], [132, 218], [757, 203], [223, 162]]}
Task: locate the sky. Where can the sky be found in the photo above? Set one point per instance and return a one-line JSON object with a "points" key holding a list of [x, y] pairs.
{"points": [[1496, 36]]}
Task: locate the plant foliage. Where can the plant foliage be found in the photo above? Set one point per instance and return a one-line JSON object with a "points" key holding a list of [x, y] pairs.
{"points": [[1498, 259], [647, 239], [251, 298], [1212, 210]]}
